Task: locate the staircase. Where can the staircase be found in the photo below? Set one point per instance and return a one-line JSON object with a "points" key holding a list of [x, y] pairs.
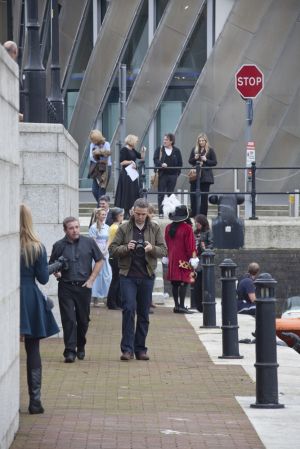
{"points": [[263, 211]]}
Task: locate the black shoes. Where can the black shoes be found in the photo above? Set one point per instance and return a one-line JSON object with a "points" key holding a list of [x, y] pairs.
{"points": [[182, 309], [70, 357], [142, 356], [81, 354], [35, 407], [126, 356]]}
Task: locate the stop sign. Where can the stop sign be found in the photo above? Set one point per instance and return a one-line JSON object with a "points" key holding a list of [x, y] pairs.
{"points": [[249, 80]]}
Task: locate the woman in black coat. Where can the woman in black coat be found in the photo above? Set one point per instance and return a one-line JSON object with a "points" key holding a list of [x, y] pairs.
{"points": [[205, 156], [166, 157], [36, 318], [127, 190]]}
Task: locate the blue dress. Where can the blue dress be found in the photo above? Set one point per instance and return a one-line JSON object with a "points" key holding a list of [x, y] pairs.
{"points": [[102, 282], [35, 320]]}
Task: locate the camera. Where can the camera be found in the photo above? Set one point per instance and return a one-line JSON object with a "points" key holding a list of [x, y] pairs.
{"points": [[61, 264], [139, 249]]}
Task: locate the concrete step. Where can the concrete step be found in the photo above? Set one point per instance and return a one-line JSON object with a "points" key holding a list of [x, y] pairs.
{"points": [[86, 209]]}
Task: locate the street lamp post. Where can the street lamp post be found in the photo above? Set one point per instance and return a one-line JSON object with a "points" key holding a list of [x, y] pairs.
{"points": [[34, 74], [55, 97]]}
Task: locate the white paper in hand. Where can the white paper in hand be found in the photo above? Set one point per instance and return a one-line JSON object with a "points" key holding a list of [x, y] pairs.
{"points": [[132, 172]]}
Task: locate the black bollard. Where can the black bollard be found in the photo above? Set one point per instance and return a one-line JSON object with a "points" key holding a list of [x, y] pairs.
{"points": [[230, 337], [266, 355], [192, 293], [208, 289]]}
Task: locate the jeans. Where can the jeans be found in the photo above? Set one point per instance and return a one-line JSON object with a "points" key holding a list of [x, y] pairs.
{"points": [[136, 299], [97, 190]]}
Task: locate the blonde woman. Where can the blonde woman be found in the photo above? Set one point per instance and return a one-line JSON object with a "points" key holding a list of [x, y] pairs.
{"points": [[128, 190], [100, 232], [36, 321], [205, 156], [100, 163]]}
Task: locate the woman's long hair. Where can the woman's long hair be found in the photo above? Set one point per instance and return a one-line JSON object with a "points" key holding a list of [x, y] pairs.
{"points": [[197, 146], [175, 224], [31, 246], [202, 219]]}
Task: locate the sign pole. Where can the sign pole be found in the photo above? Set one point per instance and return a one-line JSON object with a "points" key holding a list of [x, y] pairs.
{"points": [[249, 82], [249, 158]]}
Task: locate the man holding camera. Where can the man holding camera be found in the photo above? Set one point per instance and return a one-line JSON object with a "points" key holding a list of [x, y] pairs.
{"points": [[137, 245], [75, 282]]}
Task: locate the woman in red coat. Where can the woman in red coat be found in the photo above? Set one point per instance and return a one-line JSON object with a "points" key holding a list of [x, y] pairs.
{"points": [[182, 252]]}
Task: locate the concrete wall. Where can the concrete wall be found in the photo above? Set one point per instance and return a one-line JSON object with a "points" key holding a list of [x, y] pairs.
{"points": [[9, 250], [49, 183]]}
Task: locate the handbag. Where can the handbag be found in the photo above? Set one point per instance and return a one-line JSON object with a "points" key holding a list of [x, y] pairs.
{"points": [[192, 175], [92, 169], [154, 181], [154, 178]]}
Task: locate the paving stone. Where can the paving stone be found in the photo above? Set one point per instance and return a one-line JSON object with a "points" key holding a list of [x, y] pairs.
{"points": [[179, 399]]}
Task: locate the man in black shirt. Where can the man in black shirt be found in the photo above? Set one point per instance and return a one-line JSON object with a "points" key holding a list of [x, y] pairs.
{"points": [[75, 284]]}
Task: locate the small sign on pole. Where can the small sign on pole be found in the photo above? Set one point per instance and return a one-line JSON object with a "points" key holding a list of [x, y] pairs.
{"points": [[250, 153]]}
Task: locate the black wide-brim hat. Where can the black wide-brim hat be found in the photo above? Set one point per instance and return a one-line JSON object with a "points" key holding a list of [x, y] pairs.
{"points": [[181, 213]]}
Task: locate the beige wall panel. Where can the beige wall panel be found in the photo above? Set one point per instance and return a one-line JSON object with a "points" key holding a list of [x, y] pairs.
{"points": [[247, 14], [268, 43]]}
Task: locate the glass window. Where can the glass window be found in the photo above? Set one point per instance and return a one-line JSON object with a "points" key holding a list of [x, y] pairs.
{"points": [[82, 58], [183, 80], [160, 6]]}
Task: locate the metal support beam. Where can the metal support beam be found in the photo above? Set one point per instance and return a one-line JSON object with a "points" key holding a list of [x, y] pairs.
{"points": [[34, 74], [55, 97]]}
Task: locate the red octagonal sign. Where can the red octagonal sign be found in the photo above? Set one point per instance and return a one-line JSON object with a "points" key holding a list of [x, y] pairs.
{"points": [[249, 80]]}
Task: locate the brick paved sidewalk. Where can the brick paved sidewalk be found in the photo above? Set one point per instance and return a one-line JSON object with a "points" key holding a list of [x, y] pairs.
{"points": [[179, 399]]}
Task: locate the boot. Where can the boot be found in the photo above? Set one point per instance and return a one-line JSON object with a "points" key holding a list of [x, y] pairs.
{"points": [[34, 378]]}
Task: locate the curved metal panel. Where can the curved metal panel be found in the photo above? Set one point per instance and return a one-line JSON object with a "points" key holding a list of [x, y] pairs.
{"points": [[104, 59], [216, 108]]}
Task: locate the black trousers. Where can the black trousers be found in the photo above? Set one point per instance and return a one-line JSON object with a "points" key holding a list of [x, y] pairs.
{"points": [[114, 292], [74, 305], [166, 183], [204, 187]]}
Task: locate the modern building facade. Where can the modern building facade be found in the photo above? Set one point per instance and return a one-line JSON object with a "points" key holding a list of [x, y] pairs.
{"points": [[181, 59]]}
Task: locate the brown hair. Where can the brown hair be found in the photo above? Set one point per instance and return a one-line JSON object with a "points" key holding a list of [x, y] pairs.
{"points": [[68, 220], [253, 268], [171, 137], [202, 219]]}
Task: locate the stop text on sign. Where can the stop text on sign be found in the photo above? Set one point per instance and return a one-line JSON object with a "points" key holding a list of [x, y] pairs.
{"points": [[249, 80]]}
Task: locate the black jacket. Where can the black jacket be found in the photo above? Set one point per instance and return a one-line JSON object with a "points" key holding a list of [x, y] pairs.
{"points": [[175, 157], [211, 161]]}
